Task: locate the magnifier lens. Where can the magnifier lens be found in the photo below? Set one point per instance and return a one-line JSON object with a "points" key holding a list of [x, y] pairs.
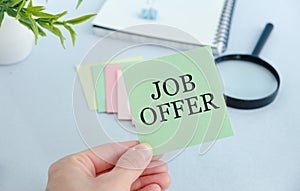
{"points": [[246, 80]]}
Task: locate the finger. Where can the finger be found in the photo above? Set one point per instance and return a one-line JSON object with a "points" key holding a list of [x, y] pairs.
{"points": [[157, 157], [157, 167], [132, 164], [151, 187], [154, 167], [163, 180], [103, 172], [104, 157]]}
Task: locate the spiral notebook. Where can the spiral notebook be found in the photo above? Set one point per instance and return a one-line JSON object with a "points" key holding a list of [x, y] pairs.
{"points": [[207, 21]]}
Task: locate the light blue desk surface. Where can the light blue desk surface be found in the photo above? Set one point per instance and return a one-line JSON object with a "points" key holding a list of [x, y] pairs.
{"points": [[37, 123]]}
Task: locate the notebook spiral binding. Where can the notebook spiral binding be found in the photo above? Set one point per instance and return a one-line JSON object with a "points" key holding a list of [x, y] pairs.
{"points": [[222, 35]]}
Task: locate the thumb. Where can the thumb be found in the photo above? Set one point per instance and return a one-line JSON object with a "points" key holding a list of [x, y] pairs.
{"points": [[132, 164]]}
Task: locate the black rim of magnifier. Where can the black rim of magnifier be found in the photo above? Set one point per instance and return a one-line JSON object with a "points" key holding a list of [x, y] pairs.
{"points": [[253, 103]]}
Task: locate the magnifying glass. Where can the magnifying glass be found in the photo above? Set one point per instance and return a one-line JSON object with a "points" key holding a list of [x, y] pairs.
{"points": [[249, 81]]}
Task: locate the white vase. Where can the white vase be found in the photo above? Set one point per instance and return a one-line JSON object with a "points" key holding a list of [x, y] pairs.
{"points": [[16, 41]]}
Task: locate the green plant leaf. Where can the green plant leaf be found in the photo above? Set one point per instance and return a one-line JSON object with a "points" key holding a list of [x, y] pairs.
{"points": [[11, 12], [72, 33], [34, 28], [36, 19], [26, 24], [44, 20], [40, 14], [41, 32], [20, 7], [55, 31], [28, 21], [79, 20], [61, 14], [13, 3], [29, 26], [35, 9], [29, 4], [37, 12], [1, 16], [78, 3]]}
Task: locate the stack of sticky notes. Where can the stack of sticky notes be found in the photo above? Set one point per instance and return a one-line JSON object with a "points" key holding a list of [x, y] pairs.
{"points": [[174, 101], [99, 83]]}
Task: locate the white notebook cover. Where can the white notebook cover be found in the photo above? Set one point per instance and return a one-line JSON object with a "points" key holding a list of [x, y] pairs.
{"points": [[199, 18]]}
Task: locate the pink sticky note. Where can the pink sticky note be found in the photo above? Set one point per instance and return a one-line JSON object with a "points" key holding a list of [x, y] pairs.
{"points": [[111, 88], [124, 112]]}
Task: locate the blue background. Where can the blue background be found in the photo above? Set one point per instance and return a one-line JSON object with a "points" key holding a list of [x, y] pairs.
{"points": [[37, 124]]}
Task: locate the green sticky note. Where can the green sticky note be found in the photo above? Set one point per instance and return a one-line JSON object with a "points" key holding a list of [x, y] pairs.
{"points": [[98, 75], [99, 83], [177, 101]]}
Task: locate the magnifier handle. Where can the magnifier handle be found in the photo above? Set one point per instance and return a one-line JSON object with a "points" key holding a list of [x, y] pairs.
{"points": [[262, 39]]}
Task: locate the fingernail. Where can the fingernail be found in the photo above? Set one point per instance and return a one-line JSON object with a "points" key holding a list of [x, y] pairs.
{"points": [[145, 150], [156, 188]]}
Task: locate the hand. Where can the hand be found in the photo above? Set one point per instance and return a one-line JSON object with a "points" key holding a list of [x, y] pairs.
{"points": [[126, 166]]}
